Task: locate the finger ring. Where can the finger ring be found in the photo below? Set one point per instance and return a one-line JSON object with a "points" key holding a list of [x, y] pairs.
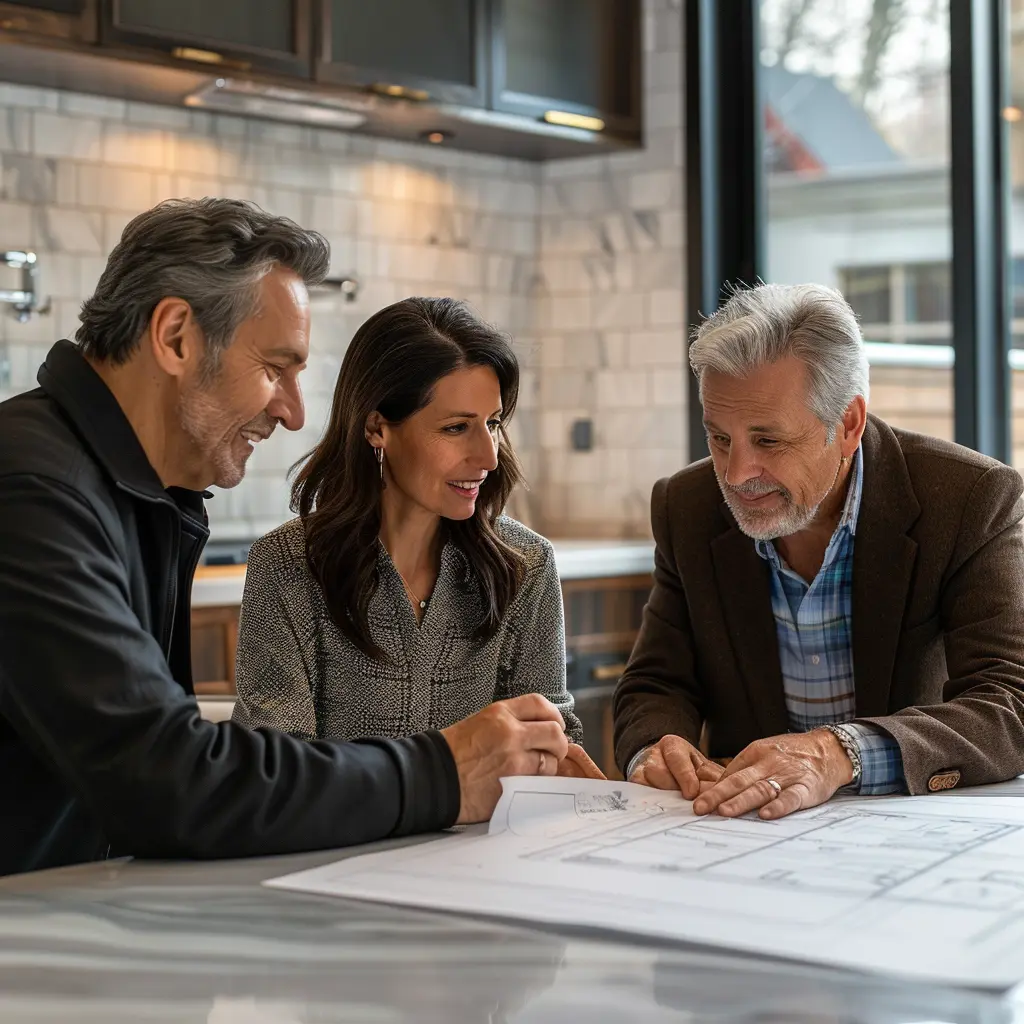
{"points": [[540, 767], [775, 786]]}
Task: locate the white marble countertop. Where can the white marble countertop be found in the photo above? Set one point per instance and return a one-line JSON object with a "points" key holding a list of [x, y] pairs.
{"points": [[576, 560], [125, 941]]}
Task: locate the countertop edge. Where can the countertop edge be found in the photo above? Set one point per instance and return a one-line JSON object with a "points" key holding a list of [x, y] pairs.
{"points": [[218, 586]]}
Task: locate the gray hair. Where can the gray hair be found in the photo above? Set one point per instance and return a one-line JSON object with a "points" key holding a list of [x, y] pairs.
{"points": [[766, 323], [210, 252]]}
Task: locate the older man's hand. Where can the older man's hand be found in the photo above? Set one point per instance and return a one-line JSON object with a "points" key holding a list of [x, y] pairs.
{"points": [[807, 767], [674, 763]]}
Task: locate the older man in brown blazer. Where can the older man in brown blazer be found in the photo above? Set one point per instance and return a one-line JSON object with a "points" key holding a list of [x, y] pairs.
{"points": [[851, 614]]}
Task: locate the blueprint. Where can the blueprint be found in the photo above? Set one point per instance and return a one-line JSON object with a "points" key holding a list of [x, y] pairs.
{"points": [[926, 887]]}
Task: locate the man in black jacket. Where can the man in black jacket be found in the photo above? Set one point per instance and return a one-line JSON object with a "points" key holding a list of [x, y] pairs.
{"points": [[187, 356]]}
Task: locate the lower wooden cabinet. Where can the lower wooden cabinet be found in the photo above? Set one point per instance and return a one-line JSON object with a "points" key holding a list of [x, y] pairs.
{"points": [[602, 617], [214, 638]]}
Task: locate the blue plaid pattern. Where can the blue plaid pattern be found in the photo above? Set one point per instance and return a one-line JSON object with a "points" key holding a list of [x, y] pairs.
{"points": [[813, 624]]}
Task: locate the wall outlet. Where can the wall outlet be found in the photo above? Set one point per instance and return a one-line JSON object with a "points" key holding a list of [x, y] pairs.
{"points": [[582, 435]]}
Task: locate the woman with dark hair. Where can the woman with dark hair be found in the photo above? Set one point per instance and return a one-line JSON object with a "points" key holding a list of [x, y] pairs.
{"points": [[401, 599]]}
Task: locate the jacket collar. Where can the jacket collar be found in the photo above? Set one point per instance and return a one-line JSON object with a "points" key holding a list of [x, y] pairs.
{"points": [[97, 417], [883, 565]]}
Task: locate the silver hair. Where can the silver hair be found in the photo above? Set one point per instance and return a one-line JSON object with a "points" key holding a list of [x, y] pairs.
{"points": [[212, 253], [766, 323]]}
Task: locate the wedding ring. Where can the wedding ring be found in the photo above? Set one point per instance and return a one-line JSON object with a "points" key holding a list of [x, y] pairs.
{"points": [[775, 786]]}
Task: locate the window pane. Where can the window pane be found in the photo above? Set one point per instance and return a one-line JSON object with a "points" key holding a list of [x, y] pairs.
{"points": [[856, 111], [868, 290], [929, 288], [1017, 286]]}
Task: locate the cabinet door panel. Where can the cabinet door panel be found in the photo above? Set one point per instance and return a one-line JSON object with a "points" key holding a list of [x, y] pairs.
{"points": [[437, 46], [57, 19], [229, 23], [73, 7], [271, 35], [576, 55]]}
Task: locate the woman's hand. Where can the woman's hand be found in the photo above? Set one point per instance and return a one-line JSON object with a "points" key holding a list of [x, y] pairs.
{"points": [[577, 764]]}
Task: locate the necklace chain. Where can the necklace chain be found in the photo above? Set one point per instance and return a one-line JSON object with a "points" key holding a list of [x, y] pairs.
{"points": [[413, 594]]}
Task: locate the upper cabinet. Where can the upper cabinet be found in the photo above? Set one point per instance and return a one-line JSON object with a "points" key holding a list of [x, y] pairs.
{"points": [[73, 20], [427, 49], [486, 73], [263, 35], [575, 57]]}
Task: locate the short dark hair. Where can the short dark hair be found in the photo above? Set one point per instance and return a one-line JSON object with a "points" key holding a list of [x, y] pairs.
{"points": [[392, 366], [210, 252]]}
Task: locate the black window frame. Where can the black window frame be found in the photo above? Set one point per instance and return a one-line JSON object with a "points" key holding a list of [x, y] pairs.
{"points": [[725, 197]]}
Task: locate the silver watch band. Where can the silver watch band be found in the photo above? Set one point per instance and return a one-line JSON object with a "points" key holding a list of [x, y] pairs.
{"points": [[849, 741]]}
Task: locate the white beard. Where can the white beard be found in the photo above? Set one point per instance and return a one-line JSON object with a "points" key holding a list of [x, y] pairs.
{"points": [[771, 524]]}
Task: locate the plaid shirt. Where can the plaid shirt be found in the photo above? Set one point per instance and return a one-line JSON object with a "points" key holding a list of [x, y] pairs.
{"points": [[813, 624]]}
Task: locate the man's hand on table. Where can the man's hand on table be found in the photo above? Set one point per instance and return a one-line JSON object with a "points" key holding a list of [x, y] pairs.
{"points": [[521, 736], [674, 763], [807, 768]]}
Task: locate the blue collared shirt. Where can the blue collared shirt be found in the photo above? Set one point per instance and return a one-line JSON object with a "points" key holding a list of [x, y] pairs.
{"points": [[814, 627]]}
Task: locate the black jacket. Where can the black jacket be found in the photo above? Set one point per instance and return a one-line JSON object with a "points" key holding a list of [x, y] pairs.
{"points": [[102, 749]]}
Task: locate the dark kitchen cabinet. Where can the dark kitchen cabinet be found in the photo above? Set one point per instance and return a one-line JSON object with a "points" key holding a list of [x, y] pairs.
{"points": [[71, 20], [262, 35], [568, 56], [430, 49]]}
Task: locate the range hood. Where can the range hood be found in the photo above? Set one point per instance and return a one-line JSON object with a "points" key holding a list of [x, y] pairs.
{"points": [[280, 103]]}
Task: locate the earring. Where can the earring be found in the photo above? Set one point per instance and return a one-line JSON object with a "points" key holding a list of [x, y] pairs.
{"points": [[379, 452]]}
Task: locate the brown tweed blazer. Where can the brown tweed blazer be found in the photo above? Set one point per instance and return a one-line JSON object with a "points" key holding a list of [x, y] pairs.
{"points": [[938, 617]]}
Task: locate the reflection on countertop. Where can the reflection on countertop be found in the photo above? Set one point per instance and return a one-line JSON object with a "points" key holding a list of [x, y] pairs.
{"points": [[206, 943], [576, 559]]}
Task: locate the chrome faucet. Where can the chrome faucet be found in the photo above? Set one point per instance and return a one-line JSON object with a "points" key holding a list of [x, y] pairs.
{"points": [[26, 299]]}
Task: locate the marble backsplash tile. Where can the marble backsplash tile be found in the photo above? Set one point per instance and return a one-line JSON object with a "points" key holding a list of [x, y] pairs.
{"points": [[28, 179], [611, 334], [580, 260]]}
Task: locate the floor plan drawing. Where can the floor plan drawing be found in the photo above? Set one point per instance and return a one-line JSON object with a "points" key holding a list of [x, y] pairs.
{"points": [[838, 851], [922, 886]]}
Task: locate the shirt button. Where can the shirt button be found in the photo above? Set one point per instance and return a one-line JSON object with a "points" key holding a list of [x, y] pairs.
{"points": [[815, 659]]}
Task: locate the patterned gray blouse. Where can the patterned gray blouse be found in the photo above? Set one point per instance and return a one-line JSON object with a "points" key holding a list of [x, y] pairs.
{"points": [[296, 671]]}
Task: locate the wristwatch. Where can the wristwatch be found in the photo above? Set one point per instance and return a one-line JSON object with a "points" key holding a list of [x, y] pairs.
{"points": [[849, 742]]}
